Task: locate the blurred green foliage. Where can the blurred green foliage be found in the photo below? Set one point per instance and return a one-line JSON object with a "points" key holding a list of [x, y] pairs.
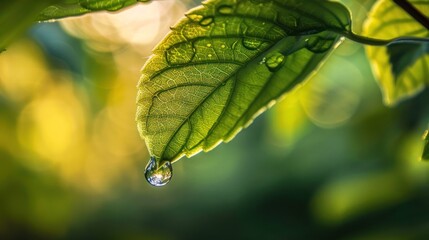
{"points": [[328, 162]]}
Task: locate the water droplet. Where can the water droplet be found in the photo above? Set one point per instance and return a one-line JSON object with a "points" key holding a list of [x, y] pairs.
{"points": [[209, 45], [223, 46], [274, 61], [206, 21], [209, 55], [195, 17], [289, 21], [318, 44], [225, 9], [252, 43], [158, 176]]}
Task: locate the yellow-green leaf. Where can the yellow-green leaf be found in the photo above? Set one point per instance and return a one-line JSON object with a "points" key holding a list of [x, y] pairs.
{"points": [[401, 69], [425, 155], [225, 63]]}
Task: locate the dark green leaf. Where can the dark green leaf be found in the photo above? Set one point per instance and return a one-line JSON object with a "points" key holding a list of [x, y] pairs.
{"points": [[16, 17], [403, 55], [67, 8], [225, 63]]}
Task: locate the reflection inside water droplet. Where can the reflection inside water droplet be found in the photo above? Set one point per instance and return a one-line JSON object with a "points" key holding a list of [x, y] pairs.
{"points": [[206, 21], [225, 9], [274, 61], [319, 44], [252, 43], [158, 176], [195, 17]]}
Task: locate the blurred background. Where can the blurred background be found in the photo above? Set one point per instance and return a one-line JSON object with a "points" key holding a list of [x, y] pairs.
{"points": [[330, 161]]}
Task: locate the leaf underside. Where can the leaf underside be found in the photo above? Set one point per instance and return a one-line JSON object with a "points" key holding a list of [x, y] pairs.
{"points": [[225, 63], [401, 69], [18, 15]]}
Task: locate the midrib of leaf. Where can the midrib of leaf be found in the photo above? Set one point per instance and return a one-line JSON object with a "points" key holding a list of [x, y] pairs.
{"points": [[215, 88], [195, 109]]}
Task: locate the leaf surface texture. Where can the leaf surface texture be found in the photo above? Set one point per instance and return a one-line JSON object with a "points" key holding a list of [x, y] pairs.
{"points": [[225, 63]]}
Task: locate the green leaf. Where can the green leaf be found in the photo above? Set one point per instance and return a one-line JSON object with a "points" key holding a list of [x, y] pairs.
{"points": [[425, 155], [227, 62], [16, 17], [67, 8], [403, 55], [402, 69]]}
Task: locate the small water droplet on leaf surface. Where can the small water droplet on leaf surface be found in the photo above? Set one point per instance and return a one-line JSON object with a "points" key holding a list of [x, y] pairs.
{"points": [[252, 43], [157, 174], [274, 61], [319, 45], [225, 9], [206, 21]]}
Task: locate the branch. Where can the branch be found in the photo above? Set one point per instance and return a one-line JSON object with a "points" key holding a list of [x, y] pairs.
{"points": [[413, 12]]}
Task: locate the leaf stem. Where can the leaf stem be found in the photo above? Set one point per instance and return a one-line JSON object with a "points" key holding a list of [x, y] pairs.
{"points": [[413, 12], [365, 40], [381, 42]]}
